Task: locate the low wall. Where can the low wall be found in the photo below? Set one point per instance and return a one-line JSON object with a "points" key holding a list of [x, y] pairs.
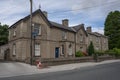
{"points": [[102, 58], [60, 61]]}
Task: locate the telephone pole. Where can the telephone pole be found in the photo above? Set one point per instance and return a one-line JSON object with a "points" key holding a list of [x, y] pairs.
{"points": [[31, 55]]}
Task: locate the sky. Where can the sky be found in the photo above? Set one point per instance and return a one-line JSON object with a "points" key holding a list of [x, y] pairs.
{"points": [[89, 12]]}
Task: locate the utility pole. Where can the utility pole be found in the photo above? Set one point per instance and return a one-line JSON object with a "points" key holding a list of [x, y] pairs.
{"points": [[31, 56]]}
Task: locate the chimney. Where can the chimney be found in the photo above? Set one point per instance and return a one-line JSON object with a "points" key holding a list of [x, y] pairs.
{"points": [[88, 29], [45, 13], [65, 22]]}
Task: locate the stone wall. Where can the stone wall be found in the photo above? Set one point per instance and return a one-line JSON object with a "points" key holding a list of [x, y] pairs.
{"points": [[60, 61]]}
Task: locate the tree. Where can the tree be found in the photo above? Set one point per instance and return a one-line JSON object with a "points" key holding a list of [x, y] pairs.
{"points": [[112, 29], [90, 49], [3, 34]]}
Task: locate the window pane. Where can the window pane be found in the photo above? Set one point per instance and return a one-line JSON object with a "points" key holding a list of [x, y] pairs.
{"points": [[14, 49], [37, 49], [37, 29]]}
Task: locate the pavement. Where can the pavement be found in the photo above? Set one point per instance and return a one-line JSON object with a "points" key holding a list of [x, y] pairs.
{"points": [[11, 69]]}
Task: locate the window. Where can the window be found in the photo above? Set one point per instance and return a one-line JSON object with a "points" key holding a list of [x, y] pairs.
{"points": [[14, 33], [104, 41], [81, 38], [62, 50], [9, 34], [37, 29], [90, 38], [81, 48], [97, 48], [70, 49], [97, 39], [37, 49], [64, 35], [14, 49]]}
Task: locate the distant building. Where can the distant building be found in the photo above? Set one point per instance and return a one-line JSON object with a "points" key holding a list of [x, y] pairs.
{"points": [[100, 41], [52, 40]]}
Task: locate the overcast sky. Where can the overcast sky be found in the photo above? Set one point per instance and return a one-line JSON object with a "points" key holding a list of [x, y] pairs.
{"points": [[90, 12]]}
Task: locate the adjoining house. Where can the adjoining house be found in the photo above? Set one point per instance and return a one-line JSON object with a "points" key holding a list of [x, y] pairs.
{"points": [[50, 39], [100, 41]]}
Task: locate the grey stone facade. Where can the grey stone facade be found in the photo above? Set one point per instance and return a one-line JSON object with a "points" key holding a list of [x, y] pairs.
{"points": [[53, 41]]}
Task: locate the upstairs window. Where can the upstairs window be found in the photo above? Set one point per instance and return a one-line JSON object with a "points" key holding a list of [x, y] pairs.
{"points": [[81, 38], [37, 29], [64, 36], [14, 33], [97, 39], [104, 41]]}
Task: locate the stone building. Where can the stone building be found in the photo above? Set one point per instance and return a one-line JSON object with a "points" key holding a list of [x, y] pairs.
{"points": [[49, 39], [100, 41]]}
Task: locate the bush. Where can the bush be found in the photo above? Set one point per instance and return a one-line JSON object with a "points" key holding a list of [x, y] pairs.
{"points": [[91, 49], [117, 52], [79, 54], [110, 52], [114, 52]]}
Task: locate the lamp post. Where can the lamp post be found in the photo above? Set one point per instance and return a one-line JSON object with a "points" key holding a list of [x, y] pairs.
{"points": [[31, 56]]}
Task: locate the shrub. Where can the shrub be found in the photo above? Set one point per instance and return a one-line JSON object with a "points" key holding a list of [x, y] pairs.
{"points": [[117, 52], [79, 54], [114, 52], [85, 53], [90, 49]]}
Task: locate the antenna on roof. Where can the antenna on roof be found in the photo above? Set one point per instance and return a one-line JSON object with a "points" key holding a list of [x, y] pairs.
{"points": [[39, 6]]}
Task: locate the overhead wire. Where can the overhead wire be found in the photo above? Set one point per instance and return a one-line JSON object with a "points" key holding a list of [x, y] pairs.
{"points": [[101, 5]]}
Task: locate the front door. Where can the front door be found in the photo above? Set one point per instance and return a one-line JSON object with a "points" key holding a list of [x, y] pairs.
{"points": [[56, 52], [7, 54]]}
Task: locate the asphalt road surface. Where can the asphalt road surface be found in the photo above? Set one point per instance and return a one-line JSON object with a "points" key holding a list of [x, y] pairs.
{"points": [[109, 71]]}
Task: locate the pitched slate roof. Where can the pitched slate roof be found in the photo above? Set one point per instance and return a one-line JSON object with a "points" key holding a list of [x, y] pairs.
{"points": [[60, 26], [27, 17], [78, 27], [96, 34], [50, 23]]}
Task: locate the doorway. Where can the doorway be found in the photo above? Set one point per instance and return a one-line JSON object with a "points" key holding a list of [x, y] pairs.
{"points": [[7, 54], [57, 52]]}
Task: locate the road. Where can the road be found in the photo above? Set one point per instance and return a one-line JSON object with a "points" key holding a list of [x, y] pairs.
{"points": [[109, 71]]}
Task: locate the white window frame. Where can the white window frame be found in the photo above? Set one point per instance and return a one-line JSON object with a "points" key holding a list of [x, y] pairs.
{"points": [[39, 27], [104, 41], [64, 35], [14, 33], [81, 38], [97, 39], [37, 50], [14, 49], [62, 50], [70, 51]]}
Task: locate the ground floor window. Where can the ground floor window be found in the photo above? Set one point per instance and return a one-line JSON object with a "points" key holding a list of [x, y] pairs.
{"points": [[14, 49], [70, 50], [37, 49], [62, 50]]}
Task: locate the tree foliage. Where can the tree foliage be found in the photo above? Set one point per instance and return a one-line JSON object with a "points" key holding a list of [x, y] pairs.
{"points": [[3, 34], [112, 29], [90, 49]]}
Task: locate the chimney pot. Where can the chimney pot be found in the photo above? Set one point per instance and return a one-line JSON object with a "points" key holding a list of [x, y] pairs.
{"points": [[45, 13], [65, 22], [88, 29]]}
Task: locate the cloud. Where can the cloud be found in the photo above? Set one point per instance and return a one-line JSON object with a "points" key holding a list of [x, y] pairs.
{"points": [[90, 12]]}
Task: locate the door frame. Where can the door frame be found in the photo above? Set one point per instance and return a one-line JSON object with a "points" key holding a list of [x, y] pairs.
{"points": [[57, 52]]}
